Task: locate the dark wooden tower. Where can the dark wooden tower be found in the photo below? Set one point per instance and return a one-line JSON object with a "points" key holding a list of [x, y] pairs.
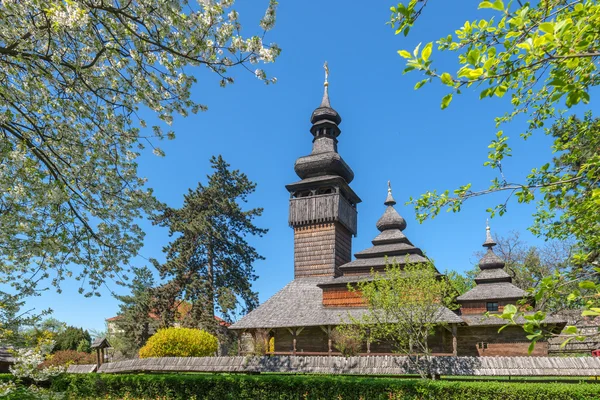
{"points": [[322, 204]]}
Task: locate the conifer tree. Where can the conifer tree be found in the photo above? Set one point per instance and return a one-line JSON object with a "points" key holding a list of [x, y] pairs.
{"points": [[135, 324], [210, 262]]}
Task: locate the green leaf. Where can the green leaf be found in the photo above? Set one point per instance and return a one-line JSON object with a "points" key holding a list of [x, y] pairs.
{"points": [[447, 79], [486, 4], [426, 53], [498, 5], [589, 313], [570, 330], [500, 90], [587, 285], [420, 84], [547, 27], [473, 57], [404, 53], [446, 100]]}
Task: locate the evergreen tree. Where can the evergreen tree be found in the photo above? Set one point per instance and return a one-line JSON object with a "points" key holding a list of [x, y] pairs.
{"points": [[135, 324], [71, 338], [210, 262]]}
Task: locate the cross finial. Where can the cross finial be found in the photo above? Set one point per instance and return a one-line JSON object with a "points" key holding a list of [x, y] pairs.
{"points": [[389, 201], [326, 67], [489, 242]]}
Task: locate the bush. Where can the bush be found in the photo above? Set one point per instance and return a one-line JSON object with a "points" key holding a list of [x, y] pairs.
{"points": [[67, 357], [180, 342], [347, 340], [251, 387]]}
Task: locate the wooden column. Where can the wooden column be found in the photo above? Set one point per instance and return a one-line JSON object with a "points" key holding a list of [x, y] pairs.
{"points": [[98, 359], [295, 332], [239, 342], [454, 341]]}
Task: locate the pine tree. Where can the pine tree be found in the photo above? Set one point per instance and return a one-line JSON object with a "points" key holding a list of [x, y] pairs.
{"points": [[209, 262], [136, 323]]}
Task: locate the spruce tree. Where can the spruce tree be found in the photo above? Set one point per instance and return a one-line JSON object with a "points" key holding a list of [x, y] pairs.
{"points": [[136, 323], [210, 262]]}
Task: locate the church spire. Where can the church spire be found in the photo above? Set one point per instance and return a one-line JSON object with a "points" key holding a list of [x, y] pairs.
{"points": [[489, 242], [325, 102]]}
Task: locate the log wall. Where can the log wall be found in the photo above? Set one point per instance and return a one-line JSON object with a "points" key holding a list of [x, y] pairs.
{"points": [[480, 307], [317, 209], [320, 249], [485, 341]]}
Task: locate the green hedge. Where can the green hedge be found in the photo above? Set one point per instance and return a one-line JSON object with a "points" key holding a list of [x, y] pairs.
{"points": [[241, 387]]}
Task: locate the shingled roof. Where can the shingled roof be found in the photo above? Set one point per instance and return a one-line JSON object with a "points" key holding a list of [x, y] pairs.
{"points": [[391, 246], [493, 282], [300, 303]]}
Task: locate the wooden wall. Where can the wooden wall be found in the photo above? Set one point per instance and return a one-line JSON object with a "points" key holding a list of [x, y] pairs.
{"points": [[320, 249], [486, 341], [316, 209], [480, 307], [310, 339]]}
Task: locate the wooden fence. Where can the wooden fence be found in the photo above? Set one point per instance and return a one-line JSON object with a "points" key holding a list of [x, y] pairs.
{"points": [[377, 365]]}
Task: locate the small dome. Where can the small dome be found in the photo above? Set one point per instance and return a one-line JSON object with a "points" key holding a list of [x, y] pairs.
{"points": [[325, 113], [391, 220], [490, 260], [320, 164]]}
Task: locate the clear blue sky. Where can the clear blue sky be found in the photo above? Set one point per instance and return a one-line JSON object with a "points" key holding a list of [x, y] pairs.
{"points": [[389, 132]]}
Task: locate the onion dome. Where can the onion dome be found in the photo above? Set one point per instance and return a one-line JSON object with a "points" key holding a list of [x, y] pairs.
{"points": [[390, 218], [490, 260], [325, 112], [493, 283], [324, 159], [391, 246]]}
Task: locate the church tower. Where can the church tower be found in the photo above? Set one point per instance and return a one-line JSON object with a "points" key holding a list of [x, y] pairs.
{"points": [[322, 204]]}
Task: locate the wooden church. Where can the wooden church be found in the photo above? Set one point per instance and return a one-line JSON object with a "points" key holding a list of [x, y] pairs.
{"points": [[323, 214]]}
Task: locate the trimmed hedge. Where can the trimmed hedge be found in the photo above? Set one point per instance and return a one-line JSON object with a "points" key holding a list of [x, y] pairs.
{"points": [[292, 387]]}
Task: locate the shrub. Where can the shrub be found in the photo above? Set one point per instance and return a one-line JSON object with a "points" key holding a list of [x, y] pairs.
{"points": [[66, 357], [180, 342], [347, 340], [306, 387]]}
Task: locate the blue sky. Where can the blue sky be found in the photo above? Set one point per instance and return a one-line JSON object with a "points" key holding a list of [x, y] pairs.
{"points": [[389, 132]]}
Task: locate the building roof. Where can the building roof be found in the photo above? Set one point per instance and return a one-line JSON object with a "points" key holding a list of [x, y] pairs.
{"points": [[390, 247], [6, 355], [493, 282], [100, 343], [300, 303], [493, 291]]}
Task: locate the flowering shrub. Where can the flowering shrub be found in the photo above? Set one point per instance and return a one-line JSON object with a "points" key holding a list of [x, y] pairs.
{"points": [[67, 357], [180, 342], [28, 363]]}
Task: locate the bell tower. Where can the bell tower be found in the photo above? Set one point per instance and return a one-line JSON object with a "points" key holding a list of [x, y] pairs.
{"points": [[322, 204]]}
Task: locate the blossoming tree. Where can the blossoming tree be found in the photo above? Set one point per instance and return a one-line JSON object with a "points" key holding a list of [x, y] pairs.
{"points": [[74, 74]]}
